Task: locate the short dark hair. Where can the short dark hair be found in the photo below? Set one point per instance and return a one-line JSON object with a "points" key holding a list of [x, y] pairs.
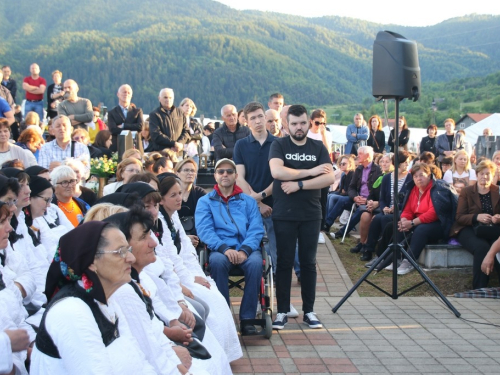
{"points": [[11, 184], [101, 138], [167, 183], [146, 177], [403, 156], [296, 110], [317, 113], [427, 157], [252, 107], [276, 95], [447, 160], [432, 126]]}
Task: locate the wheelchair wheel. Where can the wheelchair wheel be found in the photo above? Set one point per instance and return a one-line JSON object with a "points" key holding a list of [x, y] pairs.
{"points": [[270, 286], [269, 325]]}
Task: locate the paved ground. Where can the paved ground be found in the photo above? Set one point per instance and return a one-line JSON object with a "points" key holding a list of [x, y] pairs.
{"points": [[411, 335]]}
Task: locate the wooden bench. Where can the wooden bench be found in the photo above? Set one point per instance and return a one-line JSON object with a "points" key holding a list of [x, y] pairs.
{"points": [[445, 256]]}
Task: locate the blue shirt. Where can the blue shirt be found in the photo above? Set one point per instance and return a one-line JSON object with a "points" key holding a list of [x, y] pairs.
{"points": [[4, 107], [249, 152]]}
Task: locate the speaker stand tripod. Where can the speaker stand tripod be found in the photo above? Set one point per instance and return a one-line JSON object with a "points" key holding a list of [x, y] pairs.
{"points": [[396, 248]]}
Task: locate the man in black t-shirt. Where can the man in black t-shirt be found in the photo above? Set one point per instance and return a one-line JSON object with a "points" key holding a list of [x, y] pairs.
{"points": [[301, 167]]}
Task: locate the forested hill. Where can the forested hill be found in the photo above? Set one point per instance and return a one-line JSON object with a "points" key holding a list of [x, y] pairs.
{"points": [[214, 54]]}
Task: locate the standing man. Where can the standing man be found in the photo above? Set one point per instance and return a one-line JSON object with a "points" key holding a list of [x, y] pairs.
{"points": [[5, 93], [225, 137], [53, 153], [167, 124], [356, 133], [301, 167], [35, 86], [125, 116], [276, 102], [78, 110], [8, 82], [55, 94], [273, 123]]}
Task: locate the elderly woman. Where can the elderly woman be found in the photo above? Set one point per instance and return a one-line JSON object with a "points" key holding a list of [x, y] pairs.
{"points": [[177, 246], [193, 148], [9, 151], [125, 169], [339, 199], [478, 214], [377, 135], [30, 140], [82, 330], [404, 135], [460, 169], [64, 181], [428, 211], [82, 192]]}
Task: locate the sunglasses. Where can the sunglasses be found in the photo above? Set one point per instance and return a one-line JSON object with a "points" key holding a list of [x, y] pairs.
{"points": [[220, 172], [317, 123]]}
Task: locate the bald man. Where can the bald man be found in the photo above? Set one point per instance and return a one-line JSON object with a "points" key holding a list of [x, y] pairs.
{"points": [[125, 116], [78, 110], [273, 123], [35, 86]]}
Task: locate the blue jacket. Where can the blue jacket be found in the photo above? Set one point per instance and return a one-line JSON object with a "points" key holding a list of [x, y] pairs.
{"points": [[362, 135], [233, 225], [385, 190]]}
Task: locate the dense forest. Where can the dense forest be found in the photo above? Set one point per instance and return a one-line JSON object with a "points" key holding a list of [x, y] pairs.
{"points": [[214, 54]]}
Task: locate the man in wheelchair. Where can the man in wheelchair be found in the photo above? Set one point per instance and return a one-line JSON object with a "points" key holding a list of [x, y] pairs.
{"points": [[230, 224]]}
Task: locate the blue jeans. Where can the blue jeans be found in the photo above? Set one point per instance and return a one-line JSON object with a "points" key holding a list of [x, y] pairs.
{"points": [[252, 268], [35, 107], [336, 204]]}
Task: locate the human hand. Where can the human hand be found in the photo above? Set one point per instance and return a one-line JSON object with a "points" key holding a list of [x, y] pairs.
{"points": [[120, 126], [242, 257], [187, 316], [388, 210], [290, 187], [202, 281], [322, 129], [194, 239], [359, 200], [488, 263], [187, 292], [265, 210], [184, 356], [484, 218], [178, 146], [404, 225], [495, 219], [320, 169], [19, 339], [179, 333], [353, 134], [232, 255]]}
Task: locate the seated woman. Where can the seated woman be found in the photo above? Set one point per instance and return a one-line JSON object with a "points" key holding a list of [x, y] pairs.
{"points": [[125, 169], [9, 151], [428, 211], [187, 170], [30, 140], [147, 146], [132, 153], [162, 165], [177, 246], [461, 169], [478, 209], [32, 121], [386, 205], [64, 181], [82, 136], [146, 177], [82, 330], [339, 199], [427, 158], [82, 192], [103, 141]]}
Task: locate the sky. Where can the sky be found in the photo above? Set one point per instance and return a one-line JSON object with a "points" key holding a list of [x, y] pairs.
{"points": [[403, 13]]}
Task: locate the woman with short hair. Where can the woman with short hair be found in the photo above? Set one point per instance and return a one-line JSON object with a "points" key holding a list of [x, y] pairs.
{"points": [[82, 192], [9, 151], [428, 143], [125, 169], [103, 141], [31, 140]]}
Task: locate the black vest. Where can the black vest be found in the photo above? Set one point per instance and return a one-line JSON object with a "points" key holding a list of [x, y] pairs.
{"points": [[109, 331]]}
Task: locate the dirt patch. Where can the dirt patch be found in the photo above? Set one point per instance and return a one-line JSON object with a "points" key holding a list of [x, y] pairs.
{"points": [[449, 281]]}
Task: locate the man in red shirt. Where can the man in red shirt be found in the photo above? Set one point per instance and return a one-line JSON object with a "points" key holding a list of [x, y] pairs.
{"points": [[35, 86]]}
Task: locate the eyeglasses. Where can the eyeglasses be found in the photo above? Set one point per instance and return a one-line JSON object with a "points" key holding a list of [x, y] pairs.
{"points": [[136, 171], [67, 183], [122, 251], [189, 171], [220, 172], [11, 203], [342, 164], [47, 200], [317, 123]]}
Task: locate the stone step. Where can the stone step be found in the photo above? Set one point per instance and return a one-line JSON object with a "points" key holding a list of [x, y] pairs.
{"points": [[445, 256]]}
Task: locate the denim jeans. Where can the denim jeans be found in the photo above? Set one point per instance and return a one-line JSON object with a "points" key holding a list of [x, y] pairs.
{"points": [[35, 107], [287, 234], [252, 268], [335, 205]]}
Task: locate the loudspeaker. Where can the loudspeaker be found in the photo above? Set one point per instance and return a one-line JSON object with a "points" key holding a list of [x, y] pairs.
{"points": [[396, 73]]}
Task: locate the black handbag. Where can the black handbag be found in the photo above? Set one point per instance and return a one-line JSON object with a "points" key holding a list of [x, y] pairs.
{"points": [[188, 224], [489, 232]]}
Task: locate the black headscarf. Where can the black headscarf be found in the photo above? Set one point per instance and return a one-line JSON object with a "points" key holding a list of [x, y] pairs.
{"points": [[75, 253], [121, 199], [141, 188], [35, 170]]}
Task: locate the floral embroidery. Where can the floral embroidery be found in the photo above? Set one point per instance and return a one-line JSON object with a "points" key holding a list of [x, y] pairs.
{"points": [[87, 283]]}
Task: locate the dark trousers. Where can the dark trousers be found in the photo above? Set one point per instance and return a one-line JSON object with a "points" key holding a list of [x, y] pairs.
{"points": [[423, 234], [323, 201], [478, 247], [376, 230], [287, 234]]}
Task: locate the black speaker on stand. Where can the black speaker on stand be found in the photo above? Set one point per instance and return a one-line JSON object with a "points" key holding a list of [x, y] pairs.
{"points": [[396, 75]]}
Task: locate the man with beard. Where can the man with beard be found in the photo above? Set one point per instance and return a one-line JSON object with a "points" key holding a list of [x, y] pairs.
{"points": [[301, 167], [78, 110]]}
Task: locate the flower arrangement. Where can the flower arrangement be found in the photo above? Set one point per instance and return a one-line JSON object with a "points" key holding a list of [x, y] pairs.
{"points": [[103, 167]]}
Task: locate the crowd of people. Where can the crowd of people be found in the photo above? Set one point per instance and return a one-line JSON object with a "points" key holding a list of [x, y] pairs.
{"points": [[113, 283]]}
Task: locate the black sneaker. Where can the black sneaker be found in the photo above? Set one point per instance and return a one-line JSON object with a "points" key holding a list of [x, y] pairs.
{"points": [[371, 262], [247, 329], [357, 248], [312, 320], [280, 321], [325, 228], [366, 255]]}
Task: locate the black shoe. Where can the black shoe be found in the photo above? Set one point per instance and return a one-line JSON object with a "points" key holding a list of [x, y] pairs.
{"points": [[366, 256], [326, 228], [371, 262], [247, 329], [357, 248], [337, 235]]}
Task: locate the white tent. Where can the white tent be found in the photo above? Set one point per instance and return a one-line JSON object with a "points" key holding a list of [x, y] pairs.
{"points": [[474, 131]]}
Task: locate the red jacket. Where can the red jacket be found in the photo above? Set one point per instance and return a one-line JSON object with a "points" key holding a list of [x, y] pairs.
{"points": [[423, 209]]}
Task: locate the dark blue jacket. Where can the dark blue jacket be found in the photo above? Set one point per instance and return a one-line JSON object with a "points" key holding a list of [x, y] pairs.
{"points": [[385, 190], [445, 201]]}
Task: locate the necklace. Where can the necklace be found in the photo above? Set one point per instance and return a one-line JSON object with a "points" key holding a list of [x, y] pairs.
{"points": [[64, 208]]}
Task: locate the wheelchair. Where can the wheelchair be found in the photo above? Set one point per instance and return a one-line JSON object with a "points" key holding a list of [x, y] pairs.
{"points": [[266, 293]]}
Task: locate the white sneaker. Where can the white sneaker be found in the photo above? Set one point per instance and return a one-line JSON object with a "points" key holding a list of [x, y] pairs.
{"points": [[321, 238], [389, 267], [405, 267], [293, 313]]}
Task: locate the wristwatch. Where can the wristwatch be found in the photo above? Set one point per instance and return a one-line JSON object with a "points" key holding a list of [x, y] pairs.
{"points": [[301, 185], [412, 223], [264, 195]]}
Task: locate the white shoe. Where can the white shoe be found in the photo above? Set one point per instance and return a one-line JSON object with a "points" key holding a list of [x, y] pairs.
{"points": [[293, 313], [389, 267], [332, 234], [405, 267], [321, 238]]}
